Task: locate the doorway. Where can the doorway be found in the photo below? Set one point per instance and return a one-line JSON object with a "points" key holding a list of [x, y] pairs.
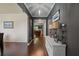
{"points": [[39, 25]]}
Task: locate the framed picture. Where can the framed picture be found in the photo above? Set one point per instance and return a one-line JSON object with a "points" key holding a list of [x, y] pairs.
{"points": [[56, 16], [55, 20], [8, 24]]}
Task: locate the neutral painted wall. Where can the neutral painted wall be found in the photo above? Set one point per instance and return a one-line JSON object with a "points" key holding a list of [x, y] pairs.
{"points": [[20, 31], [9, 8]]}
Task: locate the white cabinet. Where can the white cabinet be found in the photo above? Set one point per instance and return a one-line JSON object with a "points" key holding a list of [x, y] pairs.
{"points": [[53, 48], [59, 49], [49, 47]]}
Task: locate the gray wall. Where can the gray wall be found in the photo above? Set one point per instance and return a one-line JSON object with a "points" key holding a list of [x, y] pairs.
{"points": [[69, 14]]}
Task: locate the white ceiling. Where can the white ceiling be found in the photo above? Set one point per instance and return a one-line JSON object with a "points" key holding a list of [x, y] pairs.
{"points": [[39, 9], [6, 8]]}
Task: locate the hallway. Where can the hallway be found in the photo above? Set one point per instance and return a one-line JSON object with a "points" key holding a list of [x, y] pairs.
{"points": [[27, 30], [37, 48], [39, 29]]}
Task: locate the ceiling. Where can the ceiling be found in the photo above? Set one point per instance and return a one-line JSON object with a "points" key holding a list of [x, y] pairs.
{"points": [[39, 9], [6, 8]]}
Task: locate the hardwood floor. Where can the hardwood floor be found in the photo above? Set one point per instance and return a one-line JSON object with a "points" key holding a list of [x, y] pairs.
{"points": [[21, 49], [15, 49], [36, 48]]}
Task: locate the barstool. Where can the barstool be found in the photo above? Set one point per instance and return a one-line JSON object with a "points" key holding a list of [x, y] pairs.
{"points": [[1, 43]]}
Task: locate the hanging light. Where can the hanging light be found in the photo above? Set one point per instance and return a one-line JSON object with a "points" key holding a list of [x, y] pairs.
{"points": [[39, 11]]}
